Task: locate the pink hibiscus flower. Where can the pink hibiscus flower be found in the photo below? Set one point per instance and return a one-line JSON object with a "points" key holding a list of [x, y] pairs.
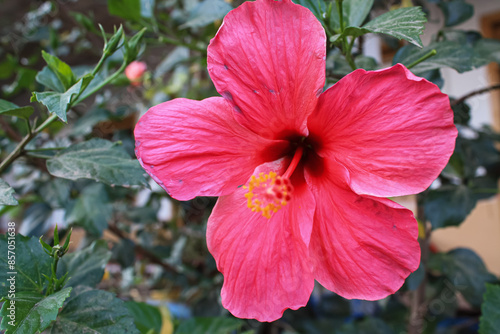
{"points": [[302, 174]]}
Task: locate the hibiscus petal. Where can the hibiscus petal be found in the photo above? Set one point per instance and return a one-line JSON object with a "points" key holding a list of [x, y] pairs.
{"points": [[196, 148], [268, 60], [264, 261], [361, 247], [393, 131]]}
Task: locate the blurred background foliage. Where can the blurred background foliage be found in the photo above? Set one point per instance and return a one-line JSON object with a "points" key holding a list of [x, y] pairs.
{"points": [[138, 261]]}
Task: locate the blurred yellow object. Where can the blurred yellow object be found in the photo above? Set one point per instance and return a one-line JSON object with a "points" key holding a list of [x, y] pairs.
{"points": [[421, 230], [167, 327], [105, 277], [404, 4]]}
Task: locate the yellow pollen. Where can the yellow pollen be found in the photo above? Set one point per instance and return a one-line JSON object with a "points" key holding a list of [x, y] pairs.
{"points": [[267, 193]]}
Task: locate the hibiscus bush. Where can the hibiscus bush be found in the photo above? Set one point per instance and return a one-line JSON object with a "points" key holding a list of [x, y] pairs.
{"points": [[208, 166]]}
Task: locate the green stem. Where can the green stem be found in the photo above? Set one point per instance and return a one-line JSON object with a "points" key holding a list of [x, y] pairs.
{"points": [[97, 68], [346, 46], [341, 15], [51, 288], [43, 149], [17, 152], [348, 55], [192, 46], [431, 53], [102, 84]]}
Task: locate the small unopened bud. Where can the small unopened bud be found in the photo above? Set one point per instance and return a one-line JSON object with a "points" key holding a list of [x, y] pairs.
{"points": [[135, 71]]}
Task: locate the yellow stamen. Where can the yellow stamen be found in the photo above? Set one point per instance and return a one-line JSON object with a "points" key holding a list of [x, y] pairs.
{"points": [[267, 193]]}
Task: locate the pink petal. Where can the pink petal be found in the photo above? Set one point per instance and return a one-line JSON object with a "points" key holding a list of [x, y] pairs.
{"points": [[393, 131], [268, 60], [361, 247], [196, 148], [264, 261]]}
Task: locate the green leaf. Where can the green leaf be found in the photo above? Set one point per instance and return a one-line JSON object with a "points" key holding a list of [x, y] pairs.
{"points": [[449, 54], [206, 12], [93, 311], [449, 205], [465, 271], [317, 7], [62, 70], [91, 210], [402, 23], [461, 113], [33, 314], [127, 9], [415, 279], [99, 160], [7, 194], [85, 267], [146, 317], [10, 109], [59, 103], [25, 79], [203, 325], [356, 11], [28, 252], [486, 51], [489, 323], [456, 12], [48, 78]]}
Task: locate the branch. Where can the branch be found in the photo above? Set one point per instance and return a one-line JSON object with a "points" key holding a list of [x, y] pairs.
{"points": [[418, 305], [9, 131], [148, 254], [474, 93]]}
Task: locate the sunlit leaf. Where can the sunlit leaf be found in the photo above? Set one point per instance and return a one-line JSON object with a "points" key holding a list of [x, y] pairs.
{"points": [[99, 160], [59, 103], [402, 23], [7, 194], [62, 70]]}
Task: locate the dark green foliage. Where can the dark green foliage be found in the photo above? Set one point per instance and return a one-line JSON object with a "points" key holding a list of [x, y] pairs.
{"points": [[138, 242], [96, 311], [490, 320]]}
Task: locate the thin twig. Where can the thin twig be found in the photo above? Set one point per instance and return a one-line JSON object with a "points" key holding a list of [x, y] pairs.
{"points": [[11, 133], [418, 306], [474, 93], [146, 253]]}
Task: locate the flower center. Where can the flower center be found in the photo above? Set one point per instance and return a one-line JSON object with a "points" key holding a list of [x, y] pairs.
{"points": [[267, 193]]}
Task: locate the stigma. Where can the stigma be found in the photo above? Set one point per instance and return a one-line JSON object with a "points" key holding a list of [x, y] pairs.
{"points": [[267, 193]]}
